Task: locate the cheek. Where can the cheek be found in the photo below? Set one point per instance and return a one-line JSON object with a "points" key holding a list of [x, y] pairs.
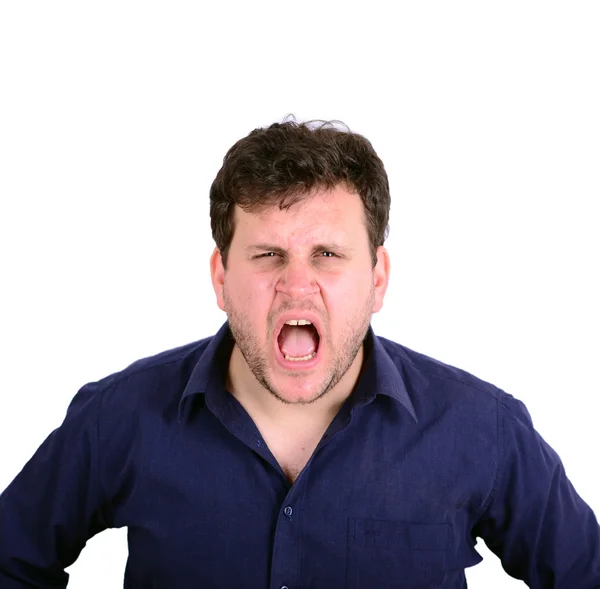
{"points": [[248, 293], [345, 296]]}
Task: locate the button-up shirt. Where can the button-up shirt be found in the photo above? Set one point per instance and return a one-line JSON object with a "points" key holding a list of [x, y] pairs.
{"points": [[421, 461]]}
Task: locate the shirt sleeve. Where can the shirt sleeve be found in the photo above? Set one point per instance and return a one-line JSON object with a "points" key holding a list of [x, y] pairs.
{"points": [[540, 528], [53, 506]]}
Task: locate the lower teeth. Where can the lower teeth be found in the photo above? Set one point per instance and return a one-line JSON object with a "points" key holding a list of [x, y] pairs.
{"points": [[301, 359]]}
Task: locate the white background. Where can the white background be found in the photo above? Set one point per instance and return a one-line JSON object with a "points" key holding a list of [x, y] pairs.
{"points": [[114, 117]]}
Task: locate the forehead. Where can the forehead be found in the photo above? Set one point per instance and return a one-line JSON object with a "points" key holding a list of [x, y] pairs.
{"points": [[335, 213]]}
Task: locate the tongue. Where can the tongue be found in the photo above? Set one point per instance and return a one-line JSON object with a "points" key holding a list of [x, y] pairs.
{"points": [[297, 342]]}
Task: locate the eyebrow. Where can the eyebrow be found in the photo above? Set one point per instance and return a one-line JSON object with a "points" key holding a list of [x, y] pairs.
{"points": [[267, 247]]}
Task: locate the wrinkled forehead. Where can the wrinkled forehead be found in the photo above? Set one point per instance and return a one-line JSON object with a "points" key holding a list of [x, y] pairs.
{"points": [[335, 214]]}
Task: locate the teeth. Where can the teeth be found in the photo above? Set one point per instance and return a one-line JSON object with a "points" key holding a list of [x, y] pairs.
{"points": [[302, 359], [298, 322]]}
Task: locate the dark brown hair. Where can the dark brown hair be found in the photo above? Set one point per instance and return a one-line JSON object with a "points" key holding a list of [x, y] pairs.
{"points": [[283, 163]]}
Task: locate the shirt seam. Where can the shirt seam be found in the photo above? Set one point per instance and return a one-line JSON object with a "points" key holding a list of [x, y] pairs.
{"points": [[500, 453], [103, 496]]}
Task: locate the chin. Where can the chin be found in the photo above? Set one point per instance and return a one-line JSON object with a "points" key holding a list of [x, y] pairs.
{"points": [[290, 391]]}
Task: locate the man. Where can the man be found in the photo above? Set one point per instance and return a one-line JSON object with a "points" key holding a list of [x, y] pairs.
{"points": [[295, 448]]}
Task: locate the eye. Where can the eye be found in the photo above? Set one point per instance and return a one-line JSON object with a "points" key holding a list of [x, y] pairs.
{"points": [[327, 255], [266, 255]]}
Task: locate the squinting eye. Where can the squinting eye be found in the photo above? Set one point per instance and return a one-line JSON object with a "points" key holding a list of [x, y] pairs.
{"points": [[267, 255], [328, 254]]}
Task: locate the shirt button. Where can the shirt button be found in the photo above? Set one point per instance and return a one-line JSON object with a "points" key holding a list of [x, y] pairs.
{"points": [[288, 511]]}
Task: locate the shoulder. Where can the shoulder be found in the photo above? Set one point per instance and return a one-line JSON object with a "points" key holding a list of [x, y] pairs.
{"points": [[182, 358], [460, 417], [166, 367], [157, 380], [127, 409], [435, 385]]}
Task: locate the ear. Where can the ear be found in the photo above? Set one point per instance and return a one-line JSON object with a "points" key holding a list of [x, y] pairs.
{"points": [[217, 275], [381, 277]]}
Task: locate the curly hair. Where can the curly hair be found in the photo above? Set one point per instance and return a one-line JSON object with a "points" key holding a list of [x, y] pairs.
{"points": [[284, 163]]}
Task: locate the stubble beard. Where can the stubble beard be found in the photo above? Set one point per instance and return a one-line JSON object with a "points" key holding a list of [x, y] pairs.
{"points": [[256, 357]]}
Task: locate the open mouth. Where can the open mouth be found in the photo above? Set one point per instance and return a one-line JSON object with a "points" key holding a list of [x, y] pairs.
{"points": [[298, 340]]}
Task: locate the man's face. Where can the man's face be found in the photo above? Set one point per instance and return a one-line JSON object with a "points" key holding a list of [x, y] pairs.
{"points": [[310, 263]]}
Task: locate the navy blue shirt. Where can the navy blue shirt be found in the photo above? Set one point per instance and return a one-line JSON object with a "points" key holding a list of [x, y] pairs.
{"points": [[421, 460]]}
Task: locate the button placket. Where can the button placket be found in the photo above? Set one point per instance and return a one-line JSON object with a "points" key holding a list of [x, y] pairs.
{"points": [[285, 559]]}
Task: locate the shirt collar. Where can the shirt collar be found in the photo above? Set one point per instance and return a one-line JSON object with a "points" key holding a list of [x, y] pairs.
{"points": [[210, 370], [380, 374]]}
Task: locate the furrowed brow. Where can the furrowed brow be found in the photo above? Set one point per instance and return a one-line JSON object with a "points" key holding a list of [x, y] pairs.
{"points": [[268, 247], [332, 247], [265, 247]]}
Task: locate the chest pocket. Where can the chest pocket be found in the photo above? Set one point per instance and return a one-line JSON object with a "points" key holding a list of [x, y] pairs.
{"points": [[393, 554]]}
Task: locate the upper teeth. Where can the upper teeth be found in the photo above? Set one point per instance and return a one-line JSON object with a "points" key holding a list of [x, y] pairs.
{"points": [[298, 322]]}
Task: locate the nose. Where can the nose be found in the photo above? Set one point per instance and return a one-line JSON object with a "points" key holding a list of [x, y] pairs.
{"points": [[297, 280]]}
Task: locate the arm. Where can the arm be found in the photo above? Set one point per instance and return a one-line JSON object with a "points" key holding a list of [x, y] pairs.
{"points": [[53, 506], [538, 525]]}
